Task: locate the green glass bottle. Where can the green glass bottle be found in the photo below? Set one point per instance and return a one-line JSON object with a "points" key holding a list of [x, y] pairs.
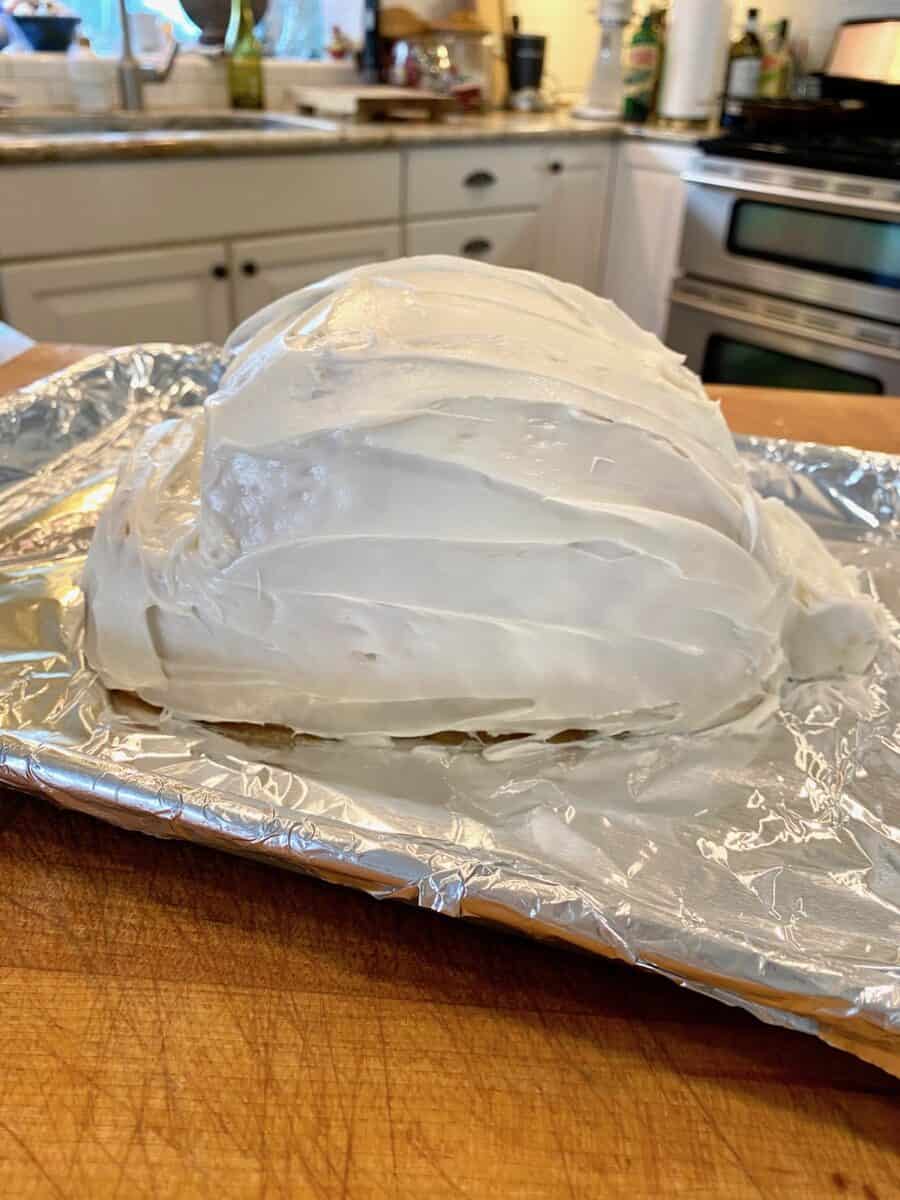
{"points": [[245, 80], [642, 63]]}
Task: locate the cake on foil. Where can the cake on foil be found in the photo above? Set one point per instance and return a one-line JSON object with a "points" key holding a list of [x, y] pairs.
{"points": [[436, 495]]}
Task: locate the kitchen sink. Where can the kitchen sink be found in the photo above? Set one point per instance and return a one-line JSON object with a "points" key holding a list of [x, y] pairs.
{"points": [[80, 125]]}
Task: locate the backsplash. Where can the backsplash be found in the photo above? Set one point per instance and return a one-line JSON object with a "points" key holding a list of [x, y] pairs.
{"points": [[198, 81], [572, 29], [42, 81], [814, 22]]}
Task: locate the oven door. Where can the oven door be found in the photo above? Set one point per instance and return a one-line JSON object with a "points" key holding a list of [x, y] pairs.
{"points": [[841, 253], [727, 344]]}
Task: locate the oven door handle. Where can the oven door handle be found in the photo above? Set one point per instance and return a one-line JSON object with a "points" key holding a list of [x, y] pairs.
{"points": [[850, 204], [787, 334]]}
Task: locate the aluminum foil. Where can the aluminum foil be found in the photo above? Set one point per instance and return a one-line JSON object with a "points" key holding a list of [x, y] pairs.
{"points": [[758, 863]]}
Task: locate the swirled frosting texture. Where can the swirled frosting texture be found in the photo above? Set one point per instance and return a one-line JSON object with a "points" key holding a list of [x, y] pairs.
{"points": [[435, 495]]}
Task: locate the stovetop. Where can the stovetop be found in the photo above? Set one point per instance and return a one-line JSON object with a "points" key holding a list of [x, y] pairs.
{"points": [[857, 154]]}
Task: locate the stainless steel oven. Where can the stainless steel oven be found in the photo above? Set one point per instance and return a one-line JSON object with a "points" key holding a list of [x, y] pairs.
{"points": [[832, 240], [790, 277], [734, 336]]}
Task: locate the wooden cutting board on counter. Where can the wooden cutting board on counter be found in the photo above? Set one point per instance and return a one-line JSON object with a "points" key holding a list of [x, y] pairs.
{"points": [[37, 362], [379, 103], [834, 418], [180, 1023]]}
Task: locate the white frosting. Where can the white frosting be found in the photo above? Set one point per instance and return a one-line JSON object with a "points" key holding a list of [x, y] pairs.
{"points": [[435, 495]]}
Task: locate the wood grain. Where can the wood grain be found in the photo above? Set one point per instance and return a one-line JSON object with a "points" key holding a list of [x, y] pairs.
{"points": [[834, 418], [179, 1023], [37, 362]]}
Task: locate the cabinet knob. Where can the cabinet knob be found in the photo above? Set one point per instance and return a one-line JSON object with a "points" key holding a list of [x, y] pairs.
{"points": [[249, 267], [477, 246], [219, 271], [556, 167], [480, 179]]}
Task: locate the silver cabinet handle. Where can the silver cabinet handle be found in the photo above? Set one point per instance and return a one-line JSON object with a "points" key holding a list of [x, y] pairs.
{"points": [[778, 192], [787, 331]]}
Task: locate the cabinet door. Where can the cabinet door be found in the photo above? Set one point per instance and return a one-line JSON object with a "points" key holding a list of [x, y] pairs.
{"points": [[265, 269], [644, 241], [574, 210], [171, 295], [507, 239]]}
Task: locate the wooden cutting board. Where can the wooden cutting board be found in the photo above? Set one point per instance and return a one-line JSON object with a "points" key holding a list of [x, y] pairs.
{"points": [[834, 418], [378, 103], [37, 362], [179, 1023]]}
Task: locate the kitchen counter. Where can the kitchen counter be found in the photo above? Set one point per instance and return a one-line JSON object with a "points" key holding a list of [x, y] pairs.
{"points": [[181, 1022], [458, 130]]}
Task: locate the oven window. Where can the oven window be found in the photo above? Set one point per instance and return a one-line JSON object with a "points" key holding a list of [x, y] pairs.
{"points": [[831, 243], [728, 360]]}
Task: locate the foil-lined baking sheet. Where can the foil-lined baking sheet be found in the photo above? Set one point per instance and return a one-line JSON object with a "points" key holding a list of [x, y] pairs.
{"points": [[758, 863]]}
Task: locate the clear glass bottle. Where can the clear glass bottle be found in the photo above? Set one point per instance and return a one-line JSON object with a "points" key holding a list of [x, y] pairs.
{"points": [[742, 75], [245, 80], [777, 66]]}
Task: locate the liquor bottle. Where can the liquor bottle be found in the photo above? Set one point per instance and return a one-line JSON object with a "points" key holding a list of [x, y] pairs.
{"points": [[642, 63], [777, 66], [742, 76], [245, 80]]}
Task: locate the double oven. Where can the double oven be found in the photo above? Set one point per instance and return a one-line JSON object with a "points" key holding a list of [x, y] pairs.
{"points": [[790, 277]]}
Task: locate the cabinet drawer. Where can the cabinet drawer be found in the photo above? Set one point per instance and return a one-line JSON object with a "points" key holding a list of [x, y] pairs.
{"points": [[66, 208], [473, 178], [507, 239]]}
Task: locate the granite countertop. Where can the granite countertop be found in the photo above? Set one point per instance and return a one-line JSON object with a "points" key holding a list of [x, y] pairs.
{"points": [[493, 127]]}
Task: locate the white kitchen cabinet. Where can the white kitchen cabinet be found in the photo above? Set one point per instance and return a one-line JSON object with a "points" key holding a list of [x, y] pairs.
{"points": [[182, 250], [575, 192], [645, 230], [555, 195], [505, 239], [174, 294], [263, 269]]}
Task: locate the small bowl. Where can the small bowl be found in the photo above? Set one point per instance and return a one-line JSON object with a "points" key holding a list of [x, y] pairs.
{"points": [[48, 34]]}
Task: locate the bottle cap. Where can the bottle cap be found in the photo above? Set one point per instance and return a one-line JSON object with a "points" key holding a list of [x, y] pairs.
{"points": [[614, 12]]}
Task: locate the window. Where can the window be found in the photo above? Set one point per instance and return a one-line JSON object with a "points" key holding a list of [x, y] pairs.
{"points": [[832, 243], [100, 21]]}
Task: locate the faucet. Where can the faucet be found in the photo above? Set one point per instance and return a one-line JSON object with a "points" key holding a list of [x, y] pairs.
{"points": [[132, 75]]}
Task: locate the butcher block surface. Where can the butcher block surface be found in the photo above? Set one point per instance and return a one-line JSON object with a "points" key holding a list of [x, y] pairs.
{"points": [[177, 1023]]}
